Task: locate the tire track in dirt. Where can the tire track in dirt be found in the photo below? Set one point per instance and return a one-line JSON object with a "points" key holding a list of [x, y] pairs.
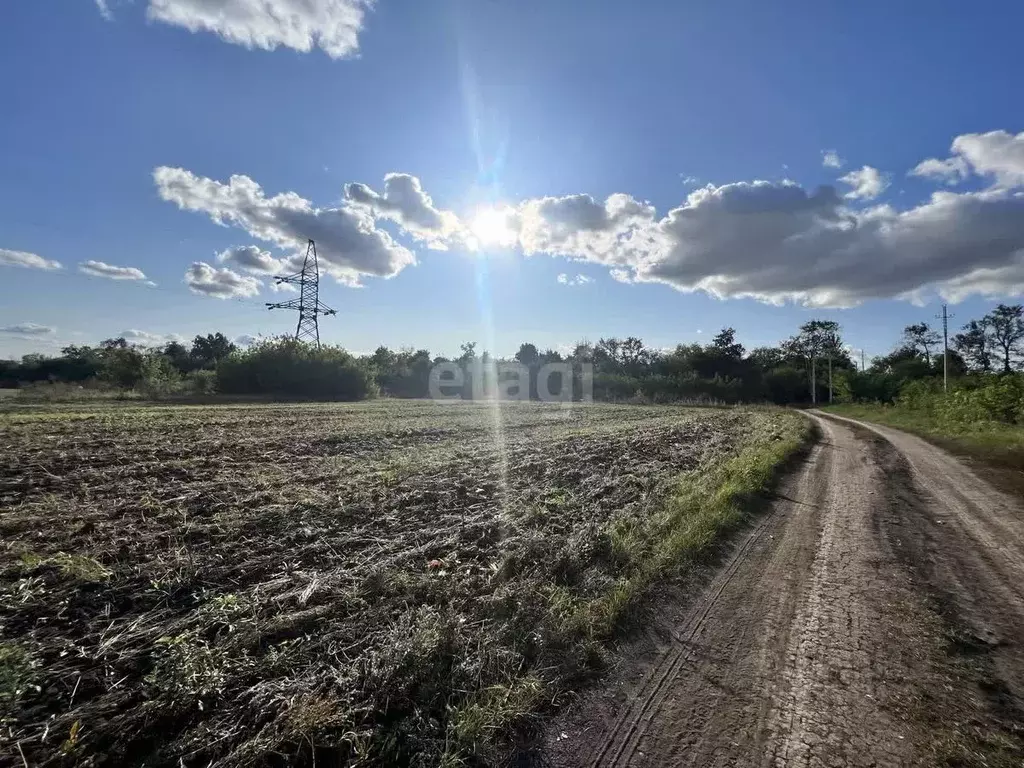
{"points": [[632, 727], [818, 641], [964, 541]]}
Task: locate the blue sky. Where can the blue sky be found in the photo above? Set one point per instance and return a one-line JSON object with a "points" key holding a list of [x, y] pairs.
{"points": [[512, 109]]}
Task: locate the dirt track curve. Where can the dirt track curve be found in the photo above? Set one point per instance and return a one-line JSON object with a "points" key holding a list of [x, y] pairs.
{"points": [[874, 617]]}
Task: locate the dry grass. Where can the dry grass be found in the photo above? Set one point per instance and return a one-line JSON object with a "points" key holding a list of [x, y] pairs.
{"points": [[391, 582]]}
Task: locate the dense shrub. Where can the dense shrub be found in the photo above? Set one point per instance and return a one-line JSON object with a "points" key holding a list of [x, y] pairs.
{"points": [[970, 400], [287, 368], [200, 382]]}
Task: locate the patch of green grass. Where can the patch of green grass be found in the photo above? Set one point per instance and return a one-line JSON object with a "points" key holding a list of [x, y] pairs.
{"points": [[998, 445], [16, 671], [79, 567], [704, 506]]}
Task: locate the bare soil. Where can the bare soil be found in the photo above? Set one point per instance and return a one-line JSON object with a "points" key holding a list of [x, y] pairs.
{"points": [[874, 617], [387, 583]]}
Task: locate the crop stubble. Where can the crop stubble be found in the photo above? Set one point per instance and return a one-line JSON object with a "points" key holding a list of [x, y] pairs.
{"points": [[397, 581]]}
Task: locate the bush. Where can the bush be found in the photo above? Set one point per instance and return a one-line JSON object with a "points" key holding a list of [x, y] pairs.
{"points": [[158, 377], [201, 382], [970, 400], [293, 369]]}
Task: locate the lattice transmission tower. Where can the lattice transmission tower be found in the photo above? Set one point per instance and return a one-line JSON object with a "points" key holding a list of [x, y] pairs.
{"points": [[308, 303]]}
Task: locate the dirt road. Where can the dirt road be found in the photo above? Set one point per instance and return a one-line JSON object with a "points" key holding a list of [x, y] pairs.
{"points": [[874, 617]]}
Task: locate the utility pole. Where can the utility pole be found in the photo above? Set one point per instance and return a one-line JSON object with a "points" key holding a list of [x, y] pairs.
{"points": [[945, 349], [814, 380], [308, 303]]}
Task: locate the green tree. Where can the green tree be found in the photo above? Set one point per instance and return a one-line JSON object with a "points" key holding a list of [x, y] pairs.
{"points": [[919, 335], [817, 340], [178, 356], [209, 350], [527, 354], [975, 346], [123, 366], [1005, 326]]}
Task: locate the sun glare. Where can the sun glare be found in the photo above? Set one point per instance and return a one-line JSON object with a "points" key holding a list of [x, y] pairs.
{"points": [[491, 227]]}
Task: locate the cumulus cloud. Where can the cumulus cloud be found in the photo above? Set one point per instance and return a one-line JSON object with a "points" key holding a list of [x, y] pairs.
{"points": [[245, 340], [405, 203], [109, 271], [565, 279], [223, 283], [251, 259], [28, 329], [348, 241], [147, 339], [867, 183], [997, 154], [577, 226], [25, 259], [331, 25], [831, 159], [777, 242], [772, 241], [951, 171]]}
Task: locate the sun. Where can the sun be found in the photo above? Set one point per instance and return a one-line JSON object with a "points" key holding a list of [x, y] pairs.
{"points": [[491, 226]]}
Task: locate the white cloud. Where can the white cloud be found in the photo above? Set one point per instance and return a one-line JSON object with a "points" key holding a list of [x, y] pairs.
{"points": [[223, 283], [109, 271], [772, 241], [621, 275], [331, 25], [245, 340], [831, 159], [776, 242], [147, 339], [577, 226], [689, 181], [405, 203], [867, 183], [565, 279], [348, 241], [104, 10], [24, 259], [998, 154], [28, 329], [251, 259], [951, 171]]}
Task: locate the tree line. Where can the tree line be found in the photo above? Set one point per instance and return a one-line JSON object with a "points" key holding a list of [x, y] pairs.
{"points": [[814, 365]]}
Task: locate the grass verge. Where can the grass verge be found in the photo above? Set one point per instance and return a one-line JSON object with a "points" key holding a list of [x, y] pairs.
{"points": [[687, 532], [703, 507], [998, 446]]}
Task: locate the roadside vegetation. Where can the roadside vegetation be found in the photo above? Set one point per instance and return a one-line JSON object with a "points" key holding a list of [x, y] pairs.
{"points": [[981, 411], [980, 416], [382, 583]]}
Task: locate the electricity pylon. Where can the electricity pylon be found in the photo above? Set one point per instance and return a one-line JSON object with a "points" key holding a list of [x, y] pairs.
{"points": [[308, 303]]}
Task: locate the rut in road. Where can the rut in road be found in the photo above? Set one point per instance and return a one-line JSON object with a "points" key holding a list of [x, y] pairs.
{"points": [[823, 640]]}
